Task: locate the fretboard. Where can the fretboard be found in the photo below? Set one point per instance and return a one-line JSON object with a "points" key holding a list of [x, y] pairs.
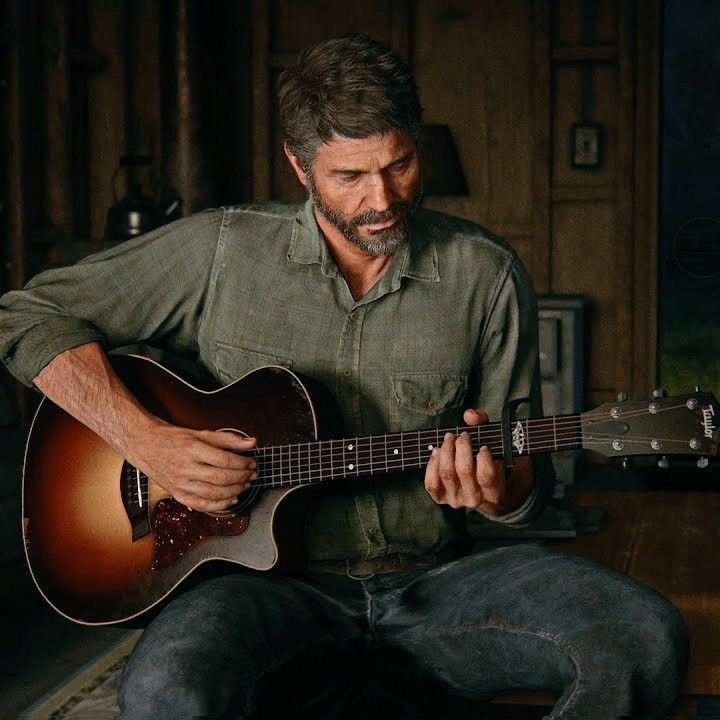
{"points": [[323, 460]]}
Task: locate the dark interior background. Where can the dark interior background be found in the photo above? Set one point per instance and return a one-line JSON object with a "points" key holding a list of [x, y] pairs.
{"points": [[690, 190]]}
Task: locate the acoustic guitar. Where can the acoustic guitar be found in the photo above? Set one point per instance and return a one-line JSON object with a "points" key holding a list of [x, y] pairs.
{"points": [[105, 544]]}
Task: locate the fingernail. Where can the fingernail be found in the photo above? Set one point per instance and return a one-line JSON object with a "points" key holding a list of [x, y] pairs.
{"points": [[254, 476], [484, 448], [434, 452], [448, 436], [253, 465]]}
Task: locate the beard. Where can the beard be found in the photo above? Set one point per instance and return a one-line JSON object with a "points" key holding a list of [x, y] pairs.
{"points": [[379, 242]]}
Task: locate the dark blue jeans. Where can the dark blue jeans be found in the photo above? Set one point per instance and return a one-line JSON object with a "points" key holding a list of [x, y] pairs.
{"points": [[512, 618]]}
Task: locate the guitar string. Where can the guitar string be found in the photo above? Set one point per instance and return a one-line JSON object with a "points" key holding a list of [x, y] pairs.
{"points": [[537, 436], [304, 477], [537, 424], [328, 469], [363, 455]]}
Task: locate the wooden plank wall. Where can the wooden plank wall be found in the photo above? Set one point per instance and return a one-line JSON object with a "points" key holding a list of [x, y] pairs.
{"points": [[91, 80]]}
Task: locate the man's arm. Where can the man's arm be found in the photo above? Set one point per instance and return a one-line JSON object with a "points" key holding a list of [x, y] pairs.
{"points": [[506, 369], [152, 289], [200, 468]]}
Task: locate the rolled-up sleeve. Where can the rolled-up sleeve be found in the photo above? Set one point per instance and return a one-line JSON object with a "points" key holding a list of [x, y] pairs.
{"points": [[150, 289]]}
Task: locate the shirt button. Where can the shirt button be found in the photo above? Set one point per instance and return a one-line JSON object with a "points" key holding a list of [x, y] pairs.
{"points": [[353, 315], [347, 373], [372, 534], [432, 405]]}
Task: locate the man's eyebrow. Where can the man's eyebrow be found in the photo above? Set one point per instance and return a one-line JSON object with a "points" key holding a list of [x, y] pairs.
{"points": [[354, 171]]}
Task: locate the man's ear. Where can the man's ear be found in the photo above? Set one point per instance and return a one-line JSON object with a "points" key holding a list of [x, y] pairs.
{"points": [[297, 165]]}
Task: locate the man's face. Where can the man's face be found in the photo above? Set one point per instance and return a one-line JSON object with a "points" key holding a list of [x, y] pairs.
{"points": [[368, 189]]}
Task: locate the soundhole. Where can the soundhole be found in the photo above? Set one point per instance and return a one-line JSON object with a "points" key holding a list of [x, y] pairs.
{"points": [[249, 497]]}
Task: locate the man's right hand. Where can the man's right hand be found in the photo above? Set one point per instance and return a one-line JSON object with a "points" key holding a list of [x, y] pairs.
{"points": [[202, 469]]}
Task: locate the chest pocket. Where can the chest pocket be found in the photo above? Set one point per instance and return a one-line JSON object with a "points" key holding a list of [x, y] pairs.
{"points": [[422, 399], [232, 362]]}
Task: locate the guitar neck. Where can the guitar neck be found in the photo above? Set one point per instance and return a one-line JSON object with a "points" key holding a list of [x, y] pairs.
{"points": [[320, 461]]}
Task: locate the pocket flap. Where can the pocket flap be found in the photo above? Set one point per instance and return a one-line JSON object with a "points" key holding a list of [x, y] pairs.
{"points": [[428, 393]]}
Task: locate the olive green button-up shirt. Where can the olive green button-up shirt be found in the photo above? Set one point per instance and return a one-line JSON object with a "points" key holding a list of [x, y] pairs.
{"points": [[451, 324]]}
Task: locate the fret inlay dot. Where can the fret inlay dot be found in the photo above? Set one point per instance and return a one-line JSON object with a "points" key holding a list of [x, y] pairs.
{"points": [[350, 466], [350, 447], [430, 447], [395, 451]]}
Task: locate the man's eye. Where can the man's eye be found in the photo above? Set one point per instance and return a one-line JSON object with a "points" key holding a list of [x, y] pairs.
{"points": [[350, 177]]}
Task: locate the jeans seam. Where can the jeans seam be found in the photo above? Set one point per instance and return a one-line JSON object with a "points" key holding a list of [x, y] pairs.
{"points": [[566, 648]]}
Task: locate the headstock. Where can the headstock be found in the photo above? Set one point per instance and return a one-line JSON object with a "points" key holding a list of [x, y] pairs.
{"points": [[680, 425]]}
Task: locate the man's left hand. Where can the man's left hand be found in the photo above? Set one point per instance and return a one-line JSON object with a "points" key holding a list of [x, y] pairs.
{"points": [[454, 477]]}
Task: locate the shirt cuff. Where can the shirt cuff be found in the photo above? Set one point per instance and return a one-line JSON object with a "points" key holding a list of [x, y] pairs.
{"points": [[535, 502], [43, 342]]}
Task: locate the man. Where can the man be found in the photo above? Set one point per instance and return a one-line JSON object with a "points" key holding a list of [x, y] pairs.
{"points": [[407, 316]]}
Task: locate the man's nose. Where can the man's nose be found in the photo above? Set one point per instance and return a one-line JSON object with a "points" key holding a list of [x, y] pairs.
{"points": [[380, 193]]}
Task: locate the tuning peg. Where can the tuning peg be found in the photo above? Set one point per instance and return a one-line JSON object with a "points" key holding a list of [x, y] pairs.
{"points": [[622, 396], [664, 463], [626, 463], [659, 393], [702, 463]]}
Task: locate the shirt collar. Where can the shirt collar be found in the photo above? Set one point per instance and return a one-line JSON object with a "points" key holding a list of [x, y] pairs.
{"points": [[419, 259]]}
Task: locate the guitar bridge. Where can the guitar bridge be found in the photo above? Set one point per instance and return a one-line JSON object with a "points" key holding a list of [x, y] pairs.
{"points": [[135, 500]]}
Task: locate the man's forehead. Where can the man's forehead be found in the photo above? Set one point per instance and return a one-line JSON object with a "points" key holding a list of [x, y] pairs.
{"points": [[340, 152]]}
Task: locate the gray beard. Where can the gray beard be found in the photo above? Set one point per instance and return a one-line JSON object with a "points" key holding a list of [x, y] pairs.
{"points": [[379, 243]]}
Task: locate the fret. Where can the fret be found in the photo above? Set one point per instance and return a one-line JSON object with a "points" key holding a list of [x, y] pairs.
{"points": [[317, 467], [280, 469], [385, 450], [527, 434], [360, 466], [332, 461]]}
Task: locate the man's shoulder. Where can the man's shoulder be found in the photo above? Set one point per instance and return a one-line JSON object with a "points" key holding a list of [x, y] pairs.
{"points": [[453, 234], [250, 212]]}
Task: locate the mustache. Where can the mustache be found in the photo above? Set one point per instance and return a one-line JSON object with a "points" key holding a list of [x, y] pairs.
{"points": [[374, 217]]}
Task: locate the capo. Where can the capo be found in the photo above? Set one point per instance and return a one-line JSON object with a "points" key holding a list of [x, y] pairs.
{"points": [[509, 417]]}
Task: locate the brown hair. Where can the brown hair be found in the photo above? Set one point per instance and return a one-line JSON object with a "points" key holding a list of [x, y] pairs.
{"points": [[351, 86]]}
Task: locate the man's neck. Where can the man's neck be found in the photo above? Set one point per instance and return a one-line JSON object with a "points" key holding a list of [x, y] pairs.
{"points": [[360, 269]]}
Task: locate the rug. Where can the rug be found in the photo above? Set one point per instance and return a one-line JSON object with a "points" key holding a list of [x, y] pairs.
{"points": [[91, 692]]}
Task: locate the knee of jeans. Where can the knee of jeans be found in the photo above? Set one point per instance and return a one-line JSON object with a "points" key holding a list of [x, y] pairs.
{"points": [[644, 642], [667, 638], [161, 691]]}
